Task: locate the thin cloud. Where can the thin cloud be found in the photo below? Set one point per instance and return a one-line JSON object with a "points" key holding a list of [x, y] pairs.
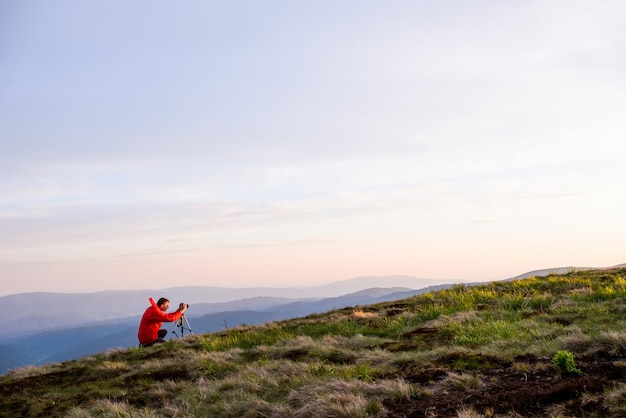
{"points": [[152, 252]]}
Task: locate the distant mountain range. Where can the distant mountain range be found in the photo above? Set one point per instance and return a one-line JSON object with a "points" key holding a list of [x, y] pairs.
{"points": [[27, 313], [41, 328]]}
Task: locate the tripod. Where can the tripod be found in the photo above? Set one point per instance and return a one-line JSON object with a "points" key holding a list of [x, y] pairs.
{"points": [[183, 324]]}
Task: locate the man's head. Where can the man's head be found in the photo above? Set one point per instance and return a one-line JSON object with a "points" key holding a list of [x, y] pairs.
{"points": [[163, 304]]}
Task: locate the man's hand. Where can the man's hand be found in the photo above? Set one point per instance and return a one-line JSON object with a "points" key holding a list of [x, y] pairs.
{"points": [[182, 307]]}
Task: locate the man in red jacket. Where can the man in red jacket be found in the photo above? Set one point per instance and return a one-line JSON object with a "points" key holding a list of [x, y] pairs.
{"points": [[149, 328]]}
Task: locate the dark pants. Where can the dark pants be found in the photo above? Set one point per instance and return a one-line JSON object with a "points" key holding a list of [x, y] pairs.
{"points": [[162, 334]]}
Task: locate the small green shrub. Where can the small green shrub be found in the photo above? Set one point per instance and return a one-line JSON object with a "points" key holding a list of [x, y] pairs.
{"points": [[564, 362]]}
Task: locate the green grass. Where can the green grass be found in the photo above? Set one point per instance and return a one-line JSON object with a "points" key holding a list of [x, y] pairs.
{"points": [[349, 362]]}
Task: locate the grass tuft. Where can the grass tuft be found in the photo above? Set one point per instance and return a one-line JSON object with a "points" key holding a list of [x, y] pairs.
{"points": [[461, 381]]}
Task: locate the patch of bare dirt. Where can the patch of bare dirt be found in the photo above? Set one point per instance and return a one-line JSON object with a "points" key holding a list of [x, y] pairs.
{"points": [[505, 390]]}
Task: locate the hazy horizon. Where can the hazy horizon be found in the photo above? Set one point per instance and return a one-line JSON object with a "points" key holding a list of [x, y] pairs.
{"points": [[410, 282], [154, 144]]}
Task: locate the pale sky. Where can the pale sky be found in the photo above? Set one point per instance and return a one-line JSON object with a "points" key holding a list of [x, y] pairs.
{"points": [[152, 144]]}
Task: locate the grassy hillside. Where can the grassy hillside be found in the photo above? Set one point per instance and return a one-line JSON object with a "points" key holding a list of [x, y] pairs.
{"points": [[549, 346]]}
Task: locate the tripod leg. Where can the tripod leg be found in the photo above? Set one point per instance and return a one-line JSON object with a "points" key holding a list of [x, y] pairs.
{"points": [[177, 324], [188, 326]]}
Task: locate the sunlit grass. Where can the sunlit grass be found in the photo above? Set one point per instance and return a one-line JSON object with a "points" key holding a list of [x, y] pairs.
{"points": [[244, 337]]}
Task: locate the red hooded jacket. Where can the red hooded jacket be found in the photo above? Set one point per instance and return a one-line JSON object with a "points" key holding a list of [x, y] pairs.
{"points": [[151, 322]]}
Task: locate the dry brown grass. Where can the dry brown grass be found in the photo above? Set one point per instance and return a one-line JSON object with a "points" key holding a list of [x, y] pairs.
{"points": [[461, 381], [614, 341]]}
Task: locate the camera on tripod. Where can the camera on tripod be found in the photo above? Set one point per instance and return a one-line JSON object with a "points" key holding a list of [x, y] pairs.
{"points": [[182, 323]]}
